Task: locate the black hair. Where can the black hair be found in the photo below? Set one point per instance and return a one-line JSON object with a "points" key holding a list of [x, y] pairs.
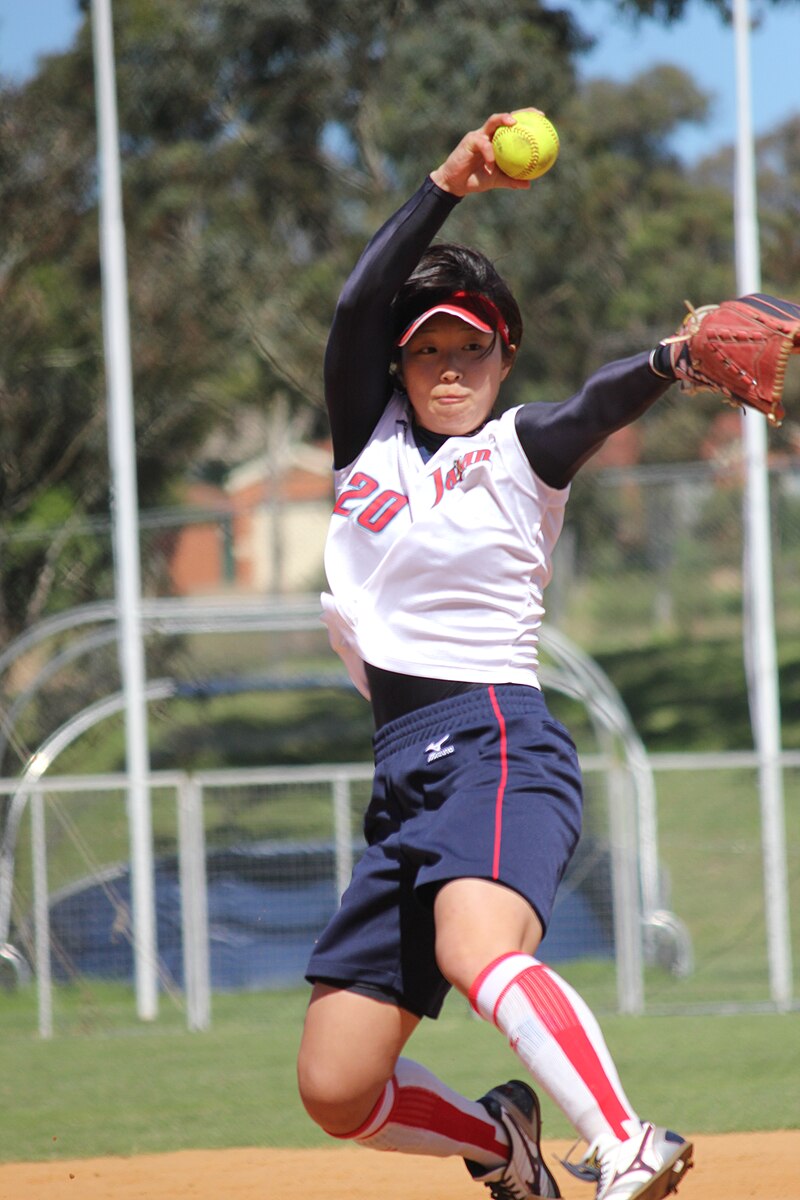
{"points": [[447, 268]]}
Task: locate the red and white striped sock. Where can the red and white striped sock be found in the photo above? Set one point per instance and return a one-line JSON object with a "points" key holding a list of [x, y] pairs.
{"points": [[552, 1030], [418, 1114]]}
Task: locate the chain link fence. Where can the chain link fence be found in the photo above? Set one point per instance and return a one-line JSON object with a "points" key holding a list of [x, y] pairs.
{"points": [[648, 581], [249, 867]]}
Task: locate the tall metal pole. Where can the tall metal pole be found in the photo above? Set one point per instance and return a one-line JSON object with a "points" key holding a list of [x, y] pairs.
{"points": [[759, 632], [125, 515]]}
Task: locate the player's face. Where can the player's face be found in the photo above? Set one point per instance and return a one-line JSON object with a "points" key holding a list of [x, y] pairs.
{"points": [[452, 374]]}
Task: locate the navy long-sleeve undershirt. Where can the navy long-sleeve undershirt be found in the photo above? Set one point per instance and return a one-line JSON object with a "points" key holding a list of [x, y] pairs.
{"points": [[557, 438]]}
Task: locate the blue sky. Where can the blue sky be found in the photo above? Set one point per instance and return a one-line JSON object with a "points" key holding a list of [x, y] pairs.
{"points": [[700, 43], [704, 47]]}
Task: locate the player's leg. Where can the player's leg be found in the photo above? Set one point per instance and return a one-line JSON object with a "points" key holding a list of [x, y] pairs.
{"points": [[355, 1085], [352, 1079], [548, 1025], [348, 1052], [553, 1032]]}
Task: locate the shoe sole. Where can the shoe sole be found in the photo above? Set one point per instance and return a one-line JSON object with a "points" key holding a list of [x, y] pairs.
{"points": [[665, 1183], [535, 1120]]}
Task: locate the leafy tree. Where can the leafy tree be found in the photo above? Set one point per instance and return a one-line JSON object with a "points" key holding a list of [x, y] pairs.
{"points": [[250, 175], [672, 10], [262, 143]]}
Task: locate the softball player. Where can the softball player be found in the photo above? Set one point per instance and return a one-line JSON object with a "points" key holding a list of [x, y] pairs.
{"points": [[437, 559]]}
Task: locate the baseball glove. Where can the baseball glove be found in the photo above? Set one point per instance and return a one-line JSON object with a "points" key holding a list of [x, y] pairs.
{"points": [[738, 349]]}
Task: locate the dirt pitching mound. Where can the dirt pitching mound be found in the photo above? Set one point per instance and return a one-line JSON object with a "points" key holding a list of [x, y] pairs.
{"points": [[727, 1167]]}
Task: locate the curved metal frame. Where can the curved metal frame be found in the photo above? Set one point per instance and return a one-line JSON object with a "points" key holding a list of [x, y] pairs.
{"points": [[575, 674]]}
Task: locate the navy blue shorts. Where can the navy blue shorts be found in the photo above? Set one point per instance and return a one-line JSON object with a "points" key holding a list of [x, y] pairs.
{"points": [[484, 785]]}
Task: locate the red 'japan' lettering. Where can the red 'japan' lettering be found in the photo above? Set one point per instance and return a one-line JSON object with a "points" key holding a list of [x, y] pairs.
{"points": [[443, 483]]}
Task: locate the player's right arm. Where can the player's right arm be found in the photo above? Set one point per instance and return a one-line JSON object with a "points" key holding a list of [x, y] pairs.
{"points": [[362, 337]]}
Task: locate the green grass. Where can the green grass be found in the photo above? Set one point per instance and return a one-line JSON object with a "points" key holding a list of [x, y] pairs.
{"points": [[117, 1087], [108, 1085], [710, 852], [249, 729], [692, 695]]}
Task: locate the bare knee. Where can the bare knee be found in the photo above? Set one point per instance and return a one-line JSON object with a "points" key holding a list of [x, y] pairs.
{"points": [[348, 1053], [338, 1103]]}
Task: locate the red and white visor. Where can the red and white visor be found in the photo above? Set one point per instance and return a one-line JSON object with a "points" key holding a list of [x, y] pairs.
{"points": [[478, 311]]}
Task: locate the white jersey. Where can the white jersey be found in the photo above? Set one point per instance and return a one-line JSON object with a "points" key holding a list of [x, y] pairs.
{"points": [[437, 568]]}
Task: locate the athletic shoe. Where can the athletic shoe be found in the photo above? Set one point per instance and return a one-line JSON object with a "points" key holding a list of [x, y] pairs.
{"points": [[648, 1166], [524, 1176]]}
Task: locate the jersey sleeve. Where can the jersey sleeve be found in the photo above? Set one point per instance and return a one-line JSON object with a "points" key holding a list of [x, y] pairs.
{"points": [[558, 438], [361, 343]]}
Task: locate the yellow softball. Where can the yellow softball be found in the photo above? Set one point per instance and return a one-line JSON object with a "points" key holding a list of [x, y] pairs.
{"points": [[529, 148]]}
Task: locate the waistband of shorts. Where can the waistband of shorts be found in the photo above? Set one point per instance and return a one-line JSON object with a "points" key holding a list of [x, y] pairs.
{"points": [[514, 698]]}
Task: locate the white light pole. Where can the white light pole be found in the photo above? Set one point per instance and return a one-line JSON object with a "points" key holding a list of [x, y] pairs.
{"points": [[125, 515], [759, 614]]}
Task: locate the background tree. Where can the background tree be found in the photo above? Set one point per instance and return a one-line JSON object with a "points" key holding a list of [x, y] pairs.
{"points": [[262, 144]]}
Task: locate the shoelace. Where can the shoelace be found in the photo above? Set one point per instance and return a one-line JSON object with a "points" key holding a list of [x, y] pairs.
{"points": [[504, 1191], [588, 1170]]}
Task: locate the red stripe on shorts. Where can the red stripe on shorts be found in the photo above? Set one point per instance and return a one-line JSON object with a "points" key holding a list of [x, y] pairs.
{"points": [[501, 787], [554, 1010]]}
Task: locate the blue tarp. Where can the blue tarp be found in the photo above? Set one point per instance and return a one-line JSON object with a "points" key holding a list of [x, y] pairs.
{"points": [[266, 904]]}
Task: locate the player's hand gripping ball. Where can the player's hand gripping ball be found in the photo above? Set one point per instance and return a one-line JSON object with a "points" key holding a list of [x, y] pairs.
{"points": [[529, 148]]}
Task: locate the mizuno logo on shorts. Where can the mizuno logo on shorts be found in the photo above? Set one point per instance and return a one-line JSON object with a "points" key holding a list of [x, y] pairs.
{"points": [[438, 749]]}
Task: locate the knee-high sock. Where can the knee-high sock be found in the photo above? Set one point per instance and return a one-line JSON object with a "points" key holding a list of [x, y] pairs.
{"points": [[552, 1030], [418, 1114]]}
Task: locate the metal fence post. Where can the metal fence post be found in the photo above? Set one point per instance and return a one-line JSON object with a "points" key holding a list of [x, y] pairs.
{"points": [[194, 904], [343, 838], [41, 910], [625, 891]]}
